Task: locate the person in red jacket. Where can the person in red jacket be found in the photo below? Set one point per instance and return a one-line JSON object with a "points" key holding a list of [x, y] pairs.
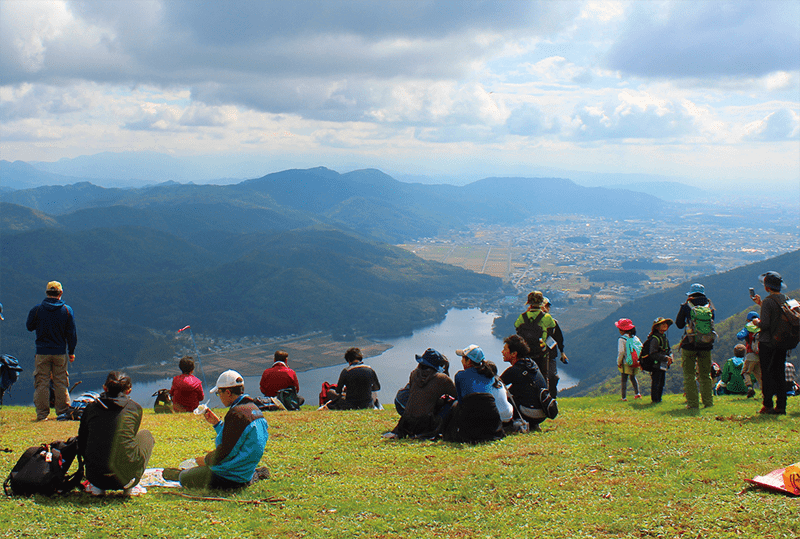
{"points": [[187, 389], [279, 376]]}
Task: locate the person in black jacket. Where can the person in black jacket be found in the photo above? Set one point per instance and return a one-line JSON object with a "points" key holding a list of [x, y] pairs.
{"points": [[115, 451], [771, 352]]}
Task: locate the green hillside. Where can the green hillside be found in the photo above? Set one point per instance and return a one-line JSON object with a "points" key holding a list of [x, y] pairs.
{"points": [[602, 469]]}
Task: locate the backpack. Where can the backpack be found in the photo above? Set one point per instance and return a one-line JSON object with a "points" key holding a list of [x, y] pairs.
{"points": [[323, 394], [787, 333], [633, 348], [163, 403], [700, 325], [289, 398], [531, 332], [646, 361], [401, 399], [43, 470], [77, 405], [9, 373]]}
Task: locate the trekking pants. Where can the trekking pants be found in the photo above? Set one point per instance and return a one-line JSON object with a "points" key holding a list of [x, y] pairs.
{"points": [[47, 367], [697, 370]]}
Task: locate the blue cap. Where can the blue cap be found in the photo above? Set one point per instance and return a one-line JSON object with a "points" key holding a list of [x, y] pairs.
{"points": [[433, 359], [473, 353], [696, 288], [751, 315]]}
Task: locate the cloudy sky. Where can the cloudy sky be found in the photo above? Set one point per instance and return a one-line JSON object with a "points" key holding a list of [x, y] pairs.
{"points": [[708, 91]]}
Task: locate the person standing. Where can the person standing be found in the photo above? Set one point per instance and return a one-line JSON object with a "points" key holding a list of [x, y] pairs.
{"points": [[627, 332], [659, 350], [555, 350], [771, 353], [534, 326], [56, 337], [696, 317]]}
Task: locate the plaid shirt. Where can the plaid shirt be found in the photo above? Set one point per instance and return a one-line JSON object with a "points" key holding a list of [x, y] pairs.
{"points": [[790, 372]]}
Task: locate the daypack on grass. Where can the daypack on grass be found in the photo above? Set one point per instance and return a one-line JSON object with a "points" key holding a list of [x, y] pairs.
{"points": [[77, 405], [44, 470], [787, 332], [163, 402], [633, 348], [700, 325], [9, 372], [531, 332], [289, 399]]}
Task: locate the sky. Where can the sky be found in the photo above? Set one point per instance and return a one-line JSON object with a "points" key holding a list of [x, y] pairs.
{"points": [[705, 91]]}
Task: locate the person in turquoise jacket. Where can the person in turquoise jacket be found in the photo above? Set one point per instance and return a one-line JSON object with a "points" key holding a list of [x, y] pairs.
{"points": [[240, 441]]}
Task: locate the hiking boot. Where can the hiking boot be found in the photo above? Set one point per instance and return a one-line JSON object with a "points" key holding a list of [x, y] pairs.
{"points": [[777, 411], [624, 399], [765, 410], [751, 392]]}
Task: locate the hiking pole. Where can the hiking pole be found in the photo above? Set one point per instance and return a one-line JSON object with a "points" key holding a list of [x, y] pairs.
{"points": [[196, 353]]}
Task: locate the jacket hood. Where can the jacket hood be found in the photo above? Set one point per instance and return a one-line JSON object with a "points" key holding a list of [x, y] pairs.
{"points": [[421, 376], [738, 361], [112, 403], [752, 328], [52, 304]]}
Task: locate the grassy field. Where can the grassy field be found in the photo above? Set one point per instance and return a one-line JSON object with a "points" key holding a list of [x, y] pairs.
{"points": [[603, 468]]}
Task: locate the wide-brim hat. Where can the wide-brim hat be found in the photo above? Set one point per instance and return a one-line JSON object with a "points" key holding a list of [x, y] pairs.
{"points": [[752, 315], [625, 324], [473, 353], [227, 379], [431, 358], [660, 320], [772, 280]]}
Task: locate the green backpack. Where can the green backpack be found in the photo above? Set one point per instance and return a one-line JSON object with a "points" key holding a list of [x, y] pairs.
{"points": [[700, 326]]}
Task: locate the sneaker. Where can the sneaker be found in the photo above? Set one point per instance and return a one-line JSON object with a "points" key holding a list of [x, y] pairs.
{"points": [[637, 396], [138, 490], [777, 411], [765, 410], [751, 393], [94, 491], [389, 435], [624, 399]]}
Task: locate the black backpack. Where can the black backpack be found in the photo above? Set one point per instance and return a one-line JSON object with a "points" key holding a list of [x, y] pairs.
{"points": [[646, 361], [9, 372], [43, 470], [531, 332]]}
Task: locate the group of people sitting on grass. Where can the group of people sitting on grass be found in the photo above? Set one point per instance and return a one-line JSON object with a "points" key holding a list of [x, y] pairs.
{"points": [[116, 451], [761, 358]]}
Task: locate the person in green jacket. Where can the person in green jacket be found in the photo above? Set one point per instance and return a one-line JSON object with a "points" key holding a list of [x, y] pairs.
{"points": [[732, 382]]}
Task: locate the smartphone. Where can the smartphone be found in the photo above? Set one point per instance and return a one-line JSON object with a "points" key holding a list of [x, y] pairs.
{"points": [[752, 293]]}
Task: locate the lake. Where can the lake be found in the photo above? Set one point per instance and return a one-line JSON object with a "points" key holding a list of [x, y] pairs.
{"points": [[459, 329]]}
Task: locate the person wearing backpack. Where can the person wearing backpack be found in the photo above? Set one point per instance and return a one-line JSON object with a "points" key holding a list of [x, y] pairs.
{"points": [[628, 349], [533, 326], [696, 318], [752, 364], [657, 347], [555, 350], [115, 452], [772, 350]]}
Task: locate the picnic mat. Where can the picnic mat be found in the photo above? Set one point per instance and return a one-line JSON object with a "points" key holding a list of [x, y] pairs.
{"points": [[775, 481], [153, 477]]}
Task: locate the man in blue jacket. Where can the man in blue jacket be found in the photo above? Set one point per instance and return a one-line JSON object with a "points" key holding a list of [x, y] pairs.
{"points": [[240, 442], [56, 337]]}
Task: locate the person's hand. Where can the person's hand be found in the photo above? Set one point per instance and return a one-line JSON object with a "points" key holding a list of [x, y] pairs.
{"points": [[211, 417], [201, 461], [564, 358], [756, 299], [669, 361], [71, 358]]}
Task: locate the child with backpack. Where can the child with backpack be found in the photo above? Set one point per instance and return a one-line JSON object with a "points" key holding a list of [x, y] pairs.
{"points": [[629, 347], [656, 346], [752, 364]]}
